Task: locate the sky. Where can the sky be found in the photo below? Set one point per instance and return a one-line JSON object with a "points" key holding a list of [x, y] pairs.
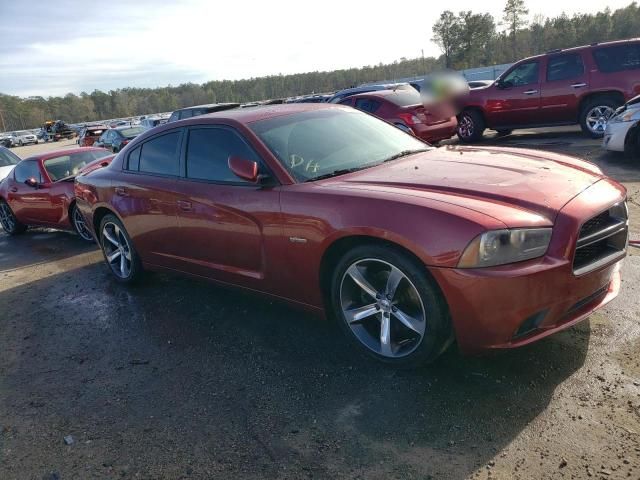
{"points": [[56, 47]]}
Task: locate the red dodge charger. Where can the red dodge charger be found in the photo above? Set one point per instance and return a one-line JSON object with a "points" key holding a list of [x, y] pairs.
{"points": [[409, 247], [39, 190]]}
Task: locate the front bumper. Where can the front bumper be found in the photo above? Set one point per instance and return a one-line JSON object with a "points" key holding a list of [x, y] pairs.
{"points": [[615, 136], [513, 305]]}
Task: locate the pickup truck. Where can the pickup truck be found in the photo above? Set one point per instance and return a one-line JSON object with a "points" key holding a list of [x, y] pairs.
{"points": [[582, 85]]}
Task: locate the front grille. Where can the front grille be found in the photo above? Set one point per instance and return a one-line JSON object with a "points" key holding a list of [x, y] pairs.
{"points": [[602, 239]]}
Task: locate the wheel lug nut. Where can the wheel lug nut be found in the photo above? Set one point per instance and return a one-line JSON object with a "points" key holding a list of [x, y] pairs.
{"points": [[389, 297], [378, 296], [394, 309], [377, 307]]}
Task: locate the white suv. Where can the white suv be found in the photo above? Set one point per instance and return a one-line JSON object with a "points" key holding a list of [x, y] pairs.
{"points": [[24, 138]]}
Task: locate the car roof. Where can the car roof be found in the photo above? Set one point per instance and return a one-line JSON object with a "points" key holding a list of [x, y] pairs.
{"points": [[210, 105], [579, 48], [381, 93], [255, 114], [60, 153]]}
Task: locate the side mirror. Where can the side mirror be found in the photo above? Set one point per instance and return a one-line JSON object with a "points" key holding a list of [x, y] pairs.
{"points": [[31, 182], [244, 169], [503, 85]]}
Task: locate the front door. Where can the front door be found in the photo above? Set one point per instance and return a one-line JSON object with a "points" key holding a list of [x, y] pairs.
{"points": [[227, 225], [29, 204]]}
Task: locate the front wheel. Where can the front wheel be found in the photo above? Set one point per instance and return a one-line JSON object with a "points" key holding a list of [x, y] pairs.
{"points": [[471, 126], [389, 307], [121, 257], [80, 225], [8, 220], [595, 114]]}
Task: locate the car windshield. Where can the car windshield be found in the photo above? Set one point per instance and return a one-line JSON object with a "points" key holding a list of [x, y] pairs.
{"points": [[68, 165], [8, 158], [131, 132], [328, 142]]}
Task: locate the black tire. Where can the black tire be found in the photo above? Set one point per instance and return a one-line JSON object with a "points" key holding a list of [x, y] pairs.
{"points": [[604, 102], [504, 132], [79, 225], [632, 144], [135, 266], [8, 220], [471, 126], [438, 332]]}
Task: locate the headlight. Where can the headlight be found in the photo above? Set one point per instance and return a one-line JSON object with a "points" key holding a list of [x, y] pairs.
{"points": [[626, 116], [498, 247]]}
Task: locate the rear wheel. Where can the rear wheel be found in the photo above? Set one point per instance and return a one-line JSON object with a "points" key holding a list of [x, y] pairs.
{"points": [[8, 220], [595, 114], [470, 126], [385, 303], [80, 225], [121, 257]]}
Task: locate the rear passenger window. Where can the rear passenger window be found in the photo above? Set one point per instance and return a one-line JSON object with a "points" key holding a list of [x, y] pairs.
{"points": [[133, 163], [565, 67], [186, 114], [161, 155], [367, 105], [208, 152], [617, 58]]}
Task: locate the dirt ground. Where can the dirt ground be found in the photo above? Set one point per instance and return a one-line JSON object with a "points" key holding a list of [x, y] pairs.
{"points": [[179, 379]]}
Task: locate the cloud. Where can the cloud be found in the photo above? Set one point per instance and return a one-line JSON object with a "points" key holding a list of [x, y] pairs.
{"points": [[52, 48]]}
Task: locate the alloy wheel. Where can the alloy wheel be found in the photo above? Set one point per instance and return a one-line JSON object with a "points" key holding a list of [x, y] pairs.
{"points": [[7, 219], [382, 307], [116, 250], [81, 226], [465, 126], [598, 117]]}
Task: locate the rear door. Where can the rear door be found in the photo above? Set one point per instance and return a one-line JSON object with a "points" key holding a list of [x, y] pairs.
{"points": [[566, 81], [227, 225], [517, 101], [147, 199]]}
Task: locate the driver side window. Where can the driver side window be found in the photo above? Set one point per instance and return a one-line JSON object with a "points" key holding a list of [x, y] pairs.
{"points": [[27, 169], [523, 74]]}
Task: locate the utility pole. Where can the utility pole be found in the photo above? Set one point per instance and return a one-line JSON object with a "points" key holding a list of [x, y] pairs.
{"points": [[424, 65]]}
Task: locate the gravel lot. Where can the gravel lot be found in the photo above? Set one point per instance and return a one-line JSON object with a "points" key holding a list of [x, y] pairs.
{"points": [[182, 379]]}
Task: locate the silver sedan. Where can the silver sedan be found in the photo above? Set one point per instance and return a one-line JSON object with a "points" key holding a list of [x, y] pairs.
{"points": [[623, 129]]}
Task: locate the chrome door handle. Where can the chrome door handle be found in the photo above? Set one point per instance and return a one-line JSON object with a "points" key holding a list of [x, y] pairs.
{"points": [[121, 192], [579, 85], [530, 92], [184, 205], [14, 189]]}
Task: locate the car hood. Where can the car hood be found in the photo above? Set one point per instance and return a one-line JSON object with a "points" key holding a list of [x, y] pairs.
{"points": [[483, 179]]}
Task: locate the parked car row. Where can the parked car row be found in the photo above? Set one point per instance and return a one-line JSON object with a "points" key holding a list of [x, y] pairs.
{"points": [[409, 247]]}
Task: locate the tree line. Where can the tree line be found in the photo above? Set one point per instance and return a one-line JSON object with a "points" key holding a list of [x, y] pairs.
{"points": [[466, 39]]}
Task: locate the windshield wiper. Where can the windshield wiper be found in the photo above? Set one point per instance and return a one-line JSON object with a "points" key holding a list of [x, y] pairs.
{"points": [[335, 173], [405, 153]]}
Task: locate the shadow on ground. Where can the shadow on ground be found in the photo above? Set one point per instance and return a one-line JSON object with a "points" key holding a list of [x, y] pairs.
{"points": [[182, 379]]}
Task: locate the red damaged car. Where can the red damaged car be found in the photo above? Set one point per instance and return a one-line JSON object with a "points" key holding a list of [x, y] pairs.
{"points": [[404, 108], [409, 247], [90, 134], [39, 191]]}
